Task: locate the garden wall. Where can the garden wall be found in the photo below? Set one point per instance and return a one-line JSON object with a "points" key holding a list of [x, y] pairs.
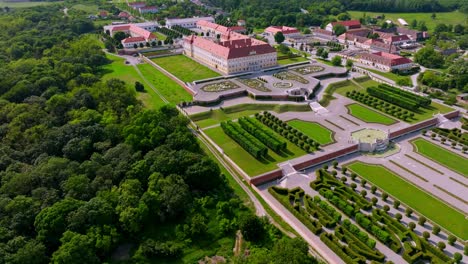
{"points": [[413, 128]]}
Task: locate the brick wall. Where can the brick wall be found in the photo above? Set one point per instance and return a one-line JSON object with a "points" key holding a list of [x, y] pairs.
{"points": [[326, 157], [269, 176], [413, 128], [452, 115]]}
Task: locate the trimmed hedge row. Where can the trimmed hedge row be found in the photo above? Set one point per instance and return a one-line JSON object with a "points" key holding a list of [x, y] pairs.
{"points": [[380, 105], [421, 100], [453, 134], [297, 137], [374, 229], [341, 251], [244, 139], [169, 33], [393, 98], [362, 236], [264, 135], [423, 250], [318, 213]]}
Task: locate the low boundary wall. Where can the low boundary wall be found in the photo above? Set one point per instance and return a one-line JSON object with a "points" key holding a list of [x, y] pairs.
{"points": [[314, 161]]}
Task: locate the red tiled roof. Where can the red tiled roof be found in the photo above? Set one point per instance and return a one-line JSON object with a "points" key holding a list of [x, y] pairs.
{"points": [[386, 58], [148, 8], [285, 30], [236, 47], [133, 39], [348, 23], [140, 32], [121, 28], [124, 14], [136, 3]]}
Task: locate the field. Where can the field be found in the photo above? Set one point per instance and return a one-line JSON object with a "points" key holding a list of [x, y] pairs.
{"points": [[292, 60], [452, 18], [127, 73], [421, 201], [442, 156], [422, 114], [184, 68], [170, 90], [247, 162], [91, 9], [214, 117], [25, 4], [314, 130], [367, 115]]}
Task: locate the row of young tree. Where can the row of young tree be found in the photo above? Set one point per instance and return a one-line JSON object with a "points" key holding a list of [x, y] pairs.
{"points": [[85, 171]]}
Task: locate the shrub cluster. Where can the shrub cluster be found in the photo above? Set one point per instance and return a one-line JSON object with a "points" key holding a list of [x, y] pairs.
{"points": [[374, 229], [292, 134], [454, 134], [380, 105], [168, 32], [244, 139], [332, 242], [399, 97], [182, 30], [362, 236], [266, 136]]}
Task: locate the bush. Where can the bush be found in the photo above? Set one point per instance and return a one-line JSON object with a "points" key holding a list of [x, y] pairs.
{"points": [[408, 212], [412, 225], [374, 200], [426, 235], [386, 208], [139, 87], [353, 186], [435, 230], [384, 196], [422, 220], [373, 189], [363, 183], [363, 193], [441, 245], [353, 176], [335, 164], [457, 257], [396, 204], [451, 240]]}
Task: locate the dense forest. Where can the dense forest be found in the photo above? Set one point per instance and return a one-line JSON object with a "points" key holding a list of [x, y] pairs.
{"points": [[262, 13], [87, 175]]}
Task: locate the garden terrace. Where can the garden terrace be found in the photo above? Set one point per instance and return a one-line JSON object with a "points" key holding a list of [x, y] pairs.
{"points": [[369, 116], [313, 130], [385, 227], [187, 70], [419, 115], [255, 84], [251, 165], [424, 203], [219, 87], [293, 135], [209, 118], [348, 241], [286, 75], [438, 154], [309, 69]]}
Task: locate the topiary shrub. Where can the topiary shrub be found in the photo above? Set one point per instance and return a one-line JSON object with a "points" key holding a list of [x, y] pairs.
{"points": [[435, 230], [422, 220]]}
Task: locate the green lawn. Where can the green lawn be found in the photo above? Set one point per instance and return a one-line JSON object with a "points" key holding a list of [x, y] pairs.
{"points": [[314, 130], [440, 155], [88, 8], [369, 116], [184, 68], [452, 18], [421, 201], [292, 60], [172, 91], [214, 117], [421, 115], [247, 162], [127, 73], [160, 36], [389, 75]]}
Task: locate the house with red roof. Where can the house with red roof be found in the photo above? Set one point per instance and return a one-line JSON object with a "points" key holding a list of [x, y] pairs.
{"points": [[385, 61], [348, 24], [231, 53], [323, 34], [136, 5], [288, 32], [138, 33], [103, 14], [124, 15]]}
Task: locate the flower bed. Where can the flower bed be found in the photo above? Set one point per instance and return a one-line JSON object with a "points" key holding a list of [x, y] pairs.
{"points": [[286, 75], [309, 69], [220, 86], [282, 85], [255, 84]]}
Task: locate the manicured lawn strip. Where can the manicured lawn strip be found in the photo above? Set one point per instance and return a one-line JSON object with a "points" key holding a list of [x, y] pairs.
{"points": [[214, 117], [313, 130], [407, 193], [127, 73], [184, 68], [367, 115], [388, 75], [291, 60], [25, 4], [453, 18], [247, 162], [160, 36], [442, 156], [172, 91]]}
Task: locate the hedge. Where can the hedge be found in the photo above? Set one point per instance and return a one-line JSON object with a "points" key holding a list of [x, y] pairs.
{"points": [[393, 98], [244, 139], [264, 135], [421, 100], [337, 248]]}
